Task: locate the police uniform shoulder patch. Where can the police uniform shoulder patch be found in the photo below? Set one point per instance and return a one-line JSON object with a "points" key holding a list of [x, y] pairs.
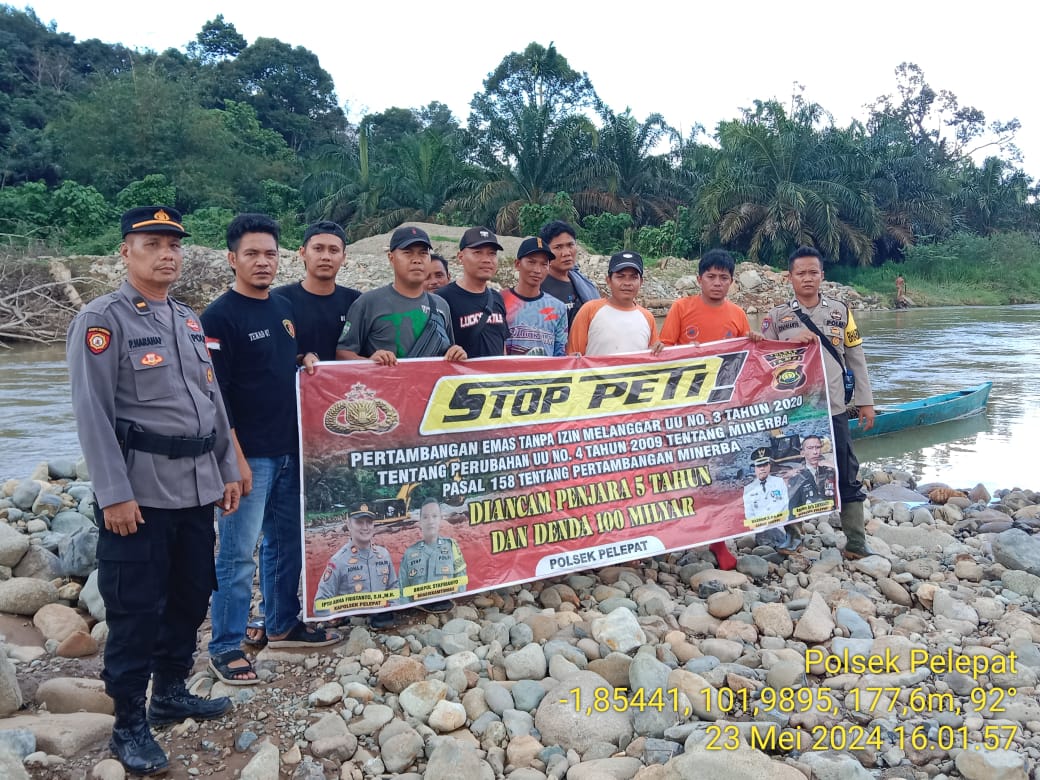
{"points": [[98, 339]]}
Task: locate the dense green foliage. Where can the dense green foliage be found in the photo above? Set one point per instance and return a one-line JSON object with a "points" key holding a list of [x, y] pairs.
{"points": [[88, 129]]}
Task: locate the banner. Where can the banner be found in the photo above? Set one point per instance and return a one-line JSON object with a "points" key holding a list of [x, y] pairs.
{"points": [[428, 479]]}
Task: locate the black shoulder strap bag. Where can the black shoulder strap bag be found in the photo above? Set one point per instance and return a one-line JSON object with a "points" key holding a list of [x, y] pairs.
{"points": [[434, 339], [847, 377]]}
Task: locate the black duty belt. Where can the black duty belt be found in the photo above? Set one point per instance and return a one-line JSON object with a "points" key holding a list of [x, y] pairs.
{"points": [[132, 437]]}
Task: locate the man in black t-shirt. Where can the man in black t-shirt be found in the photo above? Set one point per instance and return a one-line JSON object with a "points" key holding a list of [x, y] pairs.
{"points": [[478, 314], [319, 304]]}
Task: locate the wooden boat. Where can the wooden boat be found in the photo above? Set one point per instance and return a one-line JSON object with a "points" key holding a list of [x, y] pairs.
{"points": [[928, 411]]}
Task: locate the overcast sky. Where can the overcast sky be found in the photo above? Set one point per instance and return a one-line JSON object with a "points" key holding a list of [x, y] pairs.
{"points": [[692, 62]]}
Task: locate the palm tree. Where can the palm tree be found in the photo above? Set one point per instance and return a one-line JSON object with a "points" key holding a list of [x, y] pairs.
{"points": [[343, 186], [779, 183], [637, 178]]}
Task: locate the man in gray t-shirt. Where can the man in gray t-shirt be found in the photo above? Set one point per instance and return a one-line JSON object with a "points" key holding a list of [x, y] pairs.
{"points": [[401, 319]]}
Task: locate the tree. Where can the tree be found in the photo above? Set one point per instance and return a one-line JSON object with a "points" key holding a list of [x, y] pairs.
{"points": [[780, 182], [531, 133], [343, 186], [994, 196], [153, 190], [290, 91], [217, 41]]}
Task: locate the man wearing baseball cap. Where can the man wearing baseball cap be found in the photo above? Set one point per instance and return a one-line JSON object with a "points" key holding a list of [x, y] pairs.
{"points": [[156, 438], [537, 321], [616, 324], [478, 315], [400, 320]]}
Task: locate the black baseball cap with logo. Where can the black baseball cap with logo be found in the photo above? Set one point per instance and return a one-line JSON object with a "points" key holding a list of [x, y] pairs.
{"points": [[479, 236], [532, 246], [153, 219], [625, 259], [406, 236]]}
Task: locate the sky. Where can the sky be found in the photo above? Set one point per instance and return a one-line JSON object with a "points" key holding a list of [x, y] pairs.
{"points": [[692, 62]]}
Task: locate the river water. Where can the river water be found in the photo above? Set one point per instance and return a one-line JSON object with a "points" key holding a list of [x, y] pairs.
{"points": [[911, 354]]}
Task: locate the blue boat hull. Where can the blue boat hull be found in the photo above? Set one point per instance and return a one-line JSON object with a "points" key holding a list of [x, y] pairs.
{"points": [[928, 411]]}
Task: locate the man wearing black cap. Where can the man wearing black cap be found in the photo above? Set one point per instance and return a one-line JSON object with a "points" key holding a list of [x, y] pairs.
{"points": [[320, 305], [616, 324], [537, 321], [400, 320], [156, 439], [478, 315]]}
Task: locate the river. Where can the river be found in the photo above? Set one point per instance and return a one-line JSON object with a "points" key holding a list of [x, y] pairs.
{"points": [[911, 354]]}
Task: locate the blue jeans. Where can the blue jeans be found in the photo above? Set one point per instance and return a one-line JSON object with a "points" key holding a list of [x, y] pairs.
{"points": [[273, 508]]}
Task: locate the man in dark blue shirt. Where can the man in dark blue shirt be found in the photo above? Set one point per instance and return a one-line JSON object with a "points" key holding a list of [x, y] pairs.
{"points": [[319, 304], [252, 337]]}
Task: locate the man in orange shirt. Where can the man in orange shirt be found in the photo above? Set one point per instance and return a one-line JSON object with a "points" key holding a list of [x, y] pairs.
{"points": [[708, 316]]}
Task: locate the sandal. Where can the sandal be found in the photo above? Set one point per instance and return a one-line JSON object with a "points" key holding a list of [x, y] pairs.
{"points": [[257, 624], [304, 636], [221, 666]]}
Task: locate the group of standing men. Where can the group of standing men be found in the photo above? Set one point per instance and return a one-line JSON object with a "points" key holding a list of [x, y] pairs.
{"points": [[178, 414]]}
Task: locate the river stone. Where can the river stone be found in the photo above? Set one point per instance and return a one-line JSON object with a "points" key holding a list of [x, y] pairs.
{"points": [[447, 716], [10, 692], [614, 768], [857, 627], [773, 620], [650, 677], [398, 672], [262, 766], [25, 494], [743, 763], [25, 595], [47, 504], [528, 694], [66, 734], [451, 758], [13, 545], [326, 695], [815, 624], [90, 598], [69, 521], [893, 591], [876, 566], [11, 767], [945, 605], [328, 726], [72, 694], [419, 698], [991, 765], [78, 552], [560, 723], [498, 698], [619, 631], [834, 766], [61, 468], [77, 645], [1016, 549], [56, 621], [39, 563], [924, 536], [526, 664], [401, 750]]}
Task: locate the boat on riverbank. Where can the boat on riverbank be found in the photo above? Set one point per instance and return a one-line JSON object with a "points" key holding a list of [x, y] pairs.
{"points": [[928, 411]]}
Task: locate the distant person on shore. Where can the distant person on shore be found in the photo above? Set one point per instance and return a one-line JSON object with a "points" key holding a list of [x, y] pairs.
{"points": [[902, 299], [401, 319], [819, 318], [433, 558], [438, 275], [565, 282], [709, 315], [478, 314], [614, 325], [156, 438], [537, 321]]}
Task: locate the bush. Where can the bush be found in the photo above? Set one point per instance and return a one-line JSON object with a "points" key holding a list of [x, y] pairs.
{"points": [[153, 190], [605, 233], [208, 226], [534, 215]]}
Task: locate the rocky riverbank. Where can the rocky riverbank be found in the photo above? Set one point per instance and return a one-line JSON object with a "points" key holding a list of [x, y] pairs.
{"points": [[492, 689], [75, 280]]}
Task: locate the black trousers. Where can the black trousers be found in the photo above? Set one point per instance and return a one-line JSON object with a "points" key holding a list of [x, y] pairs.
{"points": [[849, 487], [156, 585]]}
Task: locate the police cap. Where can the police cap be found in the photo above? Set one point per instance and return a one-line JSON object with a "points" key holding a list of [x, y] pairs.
{"points": [[153, 219], [362, 511], [760, 457]]}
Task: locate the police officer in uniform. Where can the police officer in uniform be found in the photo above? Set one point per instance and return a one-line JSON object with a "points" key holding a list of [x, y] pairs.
{"points": [[834, 321], [155, 436], [433, 558], [815, 482], [359, 566]]}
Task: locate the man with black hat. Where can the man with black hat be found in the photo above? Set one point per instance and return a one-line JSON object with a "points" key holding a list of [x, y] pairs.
{"points": [[537, 321], [320, 305], [358, 567], [610, 326], [156, 439], [401, 319], [478, 315], [765, 498]]}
